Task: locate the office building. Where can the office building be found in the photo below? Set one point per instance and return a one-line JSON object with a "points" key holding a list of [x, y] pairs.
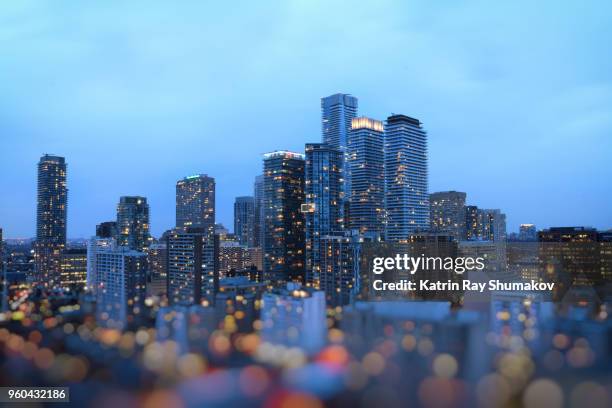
{"points": [[133, 223], [407, 197], [193, 275], [284, 238], [51, 213], [244, 220], [447, 213], [73, 268], [323, 202], [572, 256], [366, 171]]}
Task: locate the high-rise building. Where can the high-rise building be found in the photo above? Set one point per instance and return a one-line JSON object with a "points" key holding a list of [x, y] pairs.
{"points": [[339, 271], [472, 223], [366, 171], [407, 198], [323, 202], [120, 276], [107, 229], [493, 225], [1, 251], [572, 256], [233, 257], [95, 245], [258, 190], [133, 223], [157, 258], [447, 213], [284, 222], [193, 274], [337, 112], [52, 206], [244, 220], [73, 268], [195, 202], [528, 233]]}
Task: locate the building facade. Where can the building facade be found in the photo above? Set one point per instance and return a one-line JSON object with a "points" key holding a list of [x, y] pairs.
{"points": [[121, 275], [195, 202], [447, 213], [51, 219], [133, 223], [406, 172], [73, 268], [193, 274], [244, 220], [284, 237], [322, 208], [366, 170], [337, 112]]}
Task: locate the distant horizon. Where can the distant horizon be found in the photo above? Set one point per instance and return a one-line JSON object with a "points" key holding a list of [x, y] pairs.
{"points": [[516, 99]]}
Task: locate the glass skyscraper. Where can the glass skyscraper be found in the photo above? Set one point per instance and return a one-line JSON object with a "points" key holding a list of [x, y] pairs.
{"points": [[51, 213], [406, 192], [258, 190], [337, 112], [244, 220], [366, 170], [284, 221], [323, 202], [133, 222]]}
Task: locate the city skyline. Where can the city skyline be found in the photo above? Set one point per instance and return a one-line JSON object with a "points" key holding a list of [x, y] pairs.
{"points": [[101, 110]]}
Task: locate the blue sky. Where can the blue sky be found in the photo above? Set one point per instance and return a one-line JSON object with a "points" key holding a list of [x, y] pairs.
{"points": [[516, 98]]}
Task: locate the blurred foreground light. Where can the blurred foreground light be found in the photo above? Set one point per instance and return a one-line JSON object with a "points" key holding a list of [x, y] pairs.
{"points": [[445, 365], [493, 390], [589, 394], [543, 393]]}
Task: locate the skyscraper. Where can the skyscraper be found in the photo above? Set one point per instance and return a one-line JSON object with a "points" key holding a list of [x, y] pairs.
{"points": [[337, 112], [120, 276], [244, 220], [493, 225], [407, 198], [192, 270], [339, 267], [366, 170], [448, 213], [284, 221], [73, 268], [472, 223], [107, 229], [323, 202], [52, 206], [195, 202], [528, 233], [258, 190], [133, 222]]}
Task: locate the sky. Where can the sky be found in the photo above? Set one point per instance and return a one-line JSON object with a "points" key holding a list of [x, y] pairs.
{"points": [[516, 98]]}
